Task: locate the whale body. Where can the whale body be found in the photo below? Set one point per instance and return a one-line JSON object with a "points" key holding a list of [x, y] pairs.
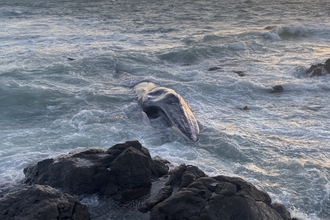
{"points": [[157, 101]]}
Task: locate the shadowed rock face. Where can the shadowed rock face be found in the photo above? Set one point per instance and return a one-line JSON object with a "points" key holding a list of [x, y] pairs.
{"points": [[124, 171], [219, 197], [41, 202]]}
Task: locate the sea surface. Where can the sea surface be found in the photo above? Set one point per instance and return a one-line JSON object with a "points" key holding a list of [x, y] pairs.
{"points": [[67, 68]]}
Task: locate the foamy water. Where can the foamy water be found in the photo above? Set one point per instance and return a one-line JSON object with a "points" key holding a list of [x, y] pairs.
{"points": [[52, 105]]}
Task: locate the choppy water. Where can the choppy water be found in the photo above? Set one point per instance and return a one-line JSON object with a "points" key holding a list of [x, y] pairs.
{"points": [[50, 105]]}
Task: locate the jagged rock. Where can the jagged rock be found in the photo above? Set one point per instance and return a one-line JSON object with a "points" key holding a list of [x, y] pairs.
{"points": [[124, 171], [159, 166], [219, 197], [183, 175], [327, 65], [180, 176], [319, 69], [41, 202], [163, 194]]}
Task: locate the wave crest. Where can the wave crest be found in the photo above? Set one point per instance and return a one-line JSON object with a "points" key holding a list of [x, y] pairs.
{"points": [[285, 32]]}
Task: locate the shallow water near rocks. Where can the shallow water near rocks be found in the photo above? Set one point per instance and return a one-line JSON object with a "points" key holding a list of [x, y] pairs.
{"points": [[67, 68]]}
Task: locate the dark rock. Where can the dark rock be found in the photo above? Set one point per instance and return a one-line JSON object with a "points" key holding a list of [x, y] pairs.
{"points": [[277, 88], [240, 73], [272, 27], [128, 194], [129, 176], [176, 174], [214, 68], [219, 197], [41, 202], [315, 70], [78, 173], [124, 171], [319, 69], [163, 194], [183, 175], [327, 65], [187, 178], [244, 108], [159, 166]]}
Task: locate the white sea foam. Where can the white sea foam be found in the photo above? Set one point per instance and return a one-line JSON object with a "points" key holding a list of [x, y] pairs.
{"points": [[283, 32], [301, 215], [52, 105], [237, 46]]}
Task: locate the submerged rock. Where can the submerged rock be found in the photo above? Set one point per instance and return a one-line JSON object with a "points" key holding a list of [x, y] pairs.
{"points": [[319, 69], [272, 27], [276, 89], [215, 68], [244, 108], [124, 171], [41, 202], [239, 73]]}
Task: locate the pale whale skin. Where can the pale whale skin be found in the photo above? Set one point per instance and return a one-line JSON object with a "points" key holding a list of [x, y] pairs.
{"points": [[155, 99]]}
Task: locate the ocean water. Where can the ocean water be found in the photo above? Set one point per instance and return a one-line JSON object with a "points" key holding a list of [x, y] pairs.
{"points": [[67, 68]]}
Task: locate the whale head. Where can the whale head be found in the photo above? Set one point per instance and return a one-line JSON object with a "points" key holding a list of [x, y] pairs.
{"points": [[154, 98]]}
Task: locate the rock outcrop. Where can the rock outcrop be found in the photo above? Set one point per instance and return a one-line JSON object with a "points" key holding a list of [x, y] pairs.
{"points": [[180, 176], [220, 197], [124, 171], [320, 69], [41, 202]]}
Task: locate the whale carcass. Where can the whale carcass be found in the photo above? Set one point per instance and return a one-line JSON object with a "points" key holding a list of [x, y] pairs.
{"points": [[157, 100]]}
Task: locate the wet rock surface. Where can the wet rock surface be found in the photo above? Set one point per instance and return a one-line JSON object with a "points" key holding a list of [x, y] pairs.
{"points": [[124, 171], [214, 68], [277, 89], [320, 69], [239, 73], [191, 194], [41, 202], [219, 197]]}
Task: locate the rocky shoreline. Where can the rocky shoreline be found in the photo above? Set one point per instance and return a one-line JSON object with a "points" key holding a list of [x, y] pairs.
{"points": [[125, 172]]}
